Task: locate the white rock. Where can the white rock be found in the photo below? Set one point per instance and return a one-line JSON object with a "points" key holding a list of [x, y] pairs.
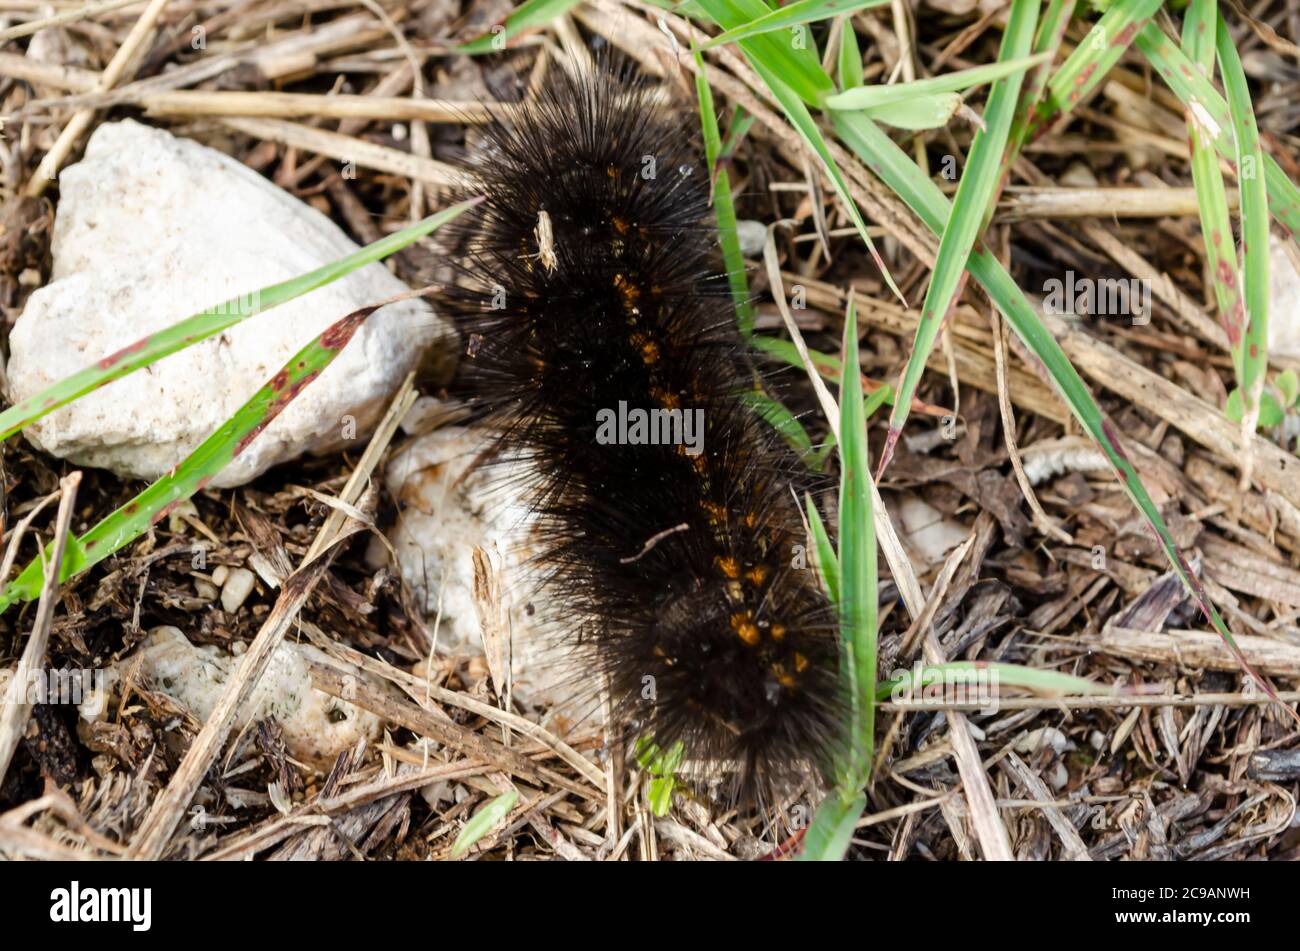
{"points": [[316, 726], [443, 519], [150, 229], [238, 586], [1284, 292]]}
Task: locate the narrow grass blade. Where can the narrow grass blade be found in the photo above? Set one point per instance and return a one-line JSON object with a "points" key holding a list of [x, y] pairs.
{"points": [[828, 563], [870, 97], [806, 126], [792, 15], [858, 574], [796, 79], [527, 16], [849, 60], [1200, 27], [978, 183], [827, 838], [132, 520], [791, 58], [829, 834], [484, 821], [210, 322], [884, 156], [1051, 33], [1191, 86], [918, 113], [1093, 58], [724, 208], [776, 415], [1254, 222], [828, 367], [1049, 682]]}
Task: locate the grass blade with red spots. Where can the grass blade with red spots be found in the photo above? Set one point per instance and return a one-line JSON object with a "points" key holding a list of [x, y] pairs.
{"points": [[1254, 224], [1092, 59], [1200, 26], [978, 183], [1190, 85], [210, 322], [132, 520]]}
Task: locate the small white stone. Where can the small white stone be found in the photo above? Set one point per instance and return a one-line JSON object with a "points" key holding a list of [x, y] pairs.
{"points": [[152, 229], [752, 236], [1284, 291], [445, 516], [238, 586], [316, 726]]}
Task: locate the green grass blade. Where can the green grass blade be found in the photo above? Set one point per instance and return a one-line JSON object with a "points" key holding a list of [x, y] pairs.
{"points": [[1200, 27], [484, 821], [792, 15], [1254, 221], [831, 830], [1190, 85], [1093, 58], [806, 126], [527, 16], [132, 520], [918, 113], [849, 60], [870, 97], [796, 79], [827, 838], [776, 415], [828, 563], [724, 208], [1051, 33], [883, 155], [1050, 682], [796, 63], [978, 183], [210, 322], [858, 574]]}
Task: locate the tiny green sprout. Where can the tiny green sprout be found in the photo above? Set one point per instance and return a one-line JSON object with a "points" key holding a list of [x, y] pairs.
{"points": [[662, 768], [1271, 411]]}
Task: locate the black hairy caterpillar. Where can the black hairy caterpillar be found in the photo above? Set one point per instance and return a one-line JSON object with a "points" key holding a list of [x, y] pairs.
{"points": [[602, 344]]}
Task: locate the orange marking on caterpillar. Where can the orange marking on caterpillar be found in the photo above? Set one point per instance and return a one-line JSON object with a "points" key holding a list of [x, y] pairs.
{"points": [[745, 628], [730, 567], [717, 513], [665, 398]]}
